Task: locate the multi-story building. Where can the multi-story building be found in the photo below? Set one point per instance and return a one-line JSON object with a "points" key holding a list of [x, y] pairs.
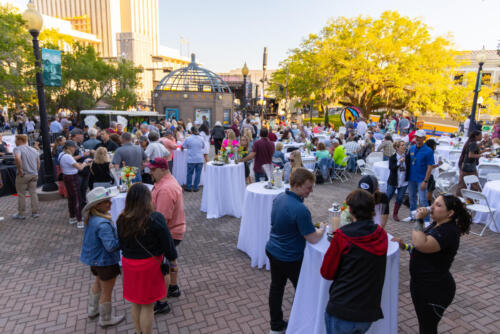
{"points": [[122, 28]]}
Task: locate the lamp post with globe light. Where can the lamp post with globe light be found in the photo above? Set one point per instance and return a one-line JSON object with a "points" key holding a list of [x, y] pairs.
{"points": [[34, 24], [481, 58], [244, 71]]}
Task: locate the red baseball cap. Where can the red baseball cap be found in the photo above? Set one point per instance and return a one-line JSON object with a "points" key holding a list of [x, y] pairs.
{"points": [[157, 163]]}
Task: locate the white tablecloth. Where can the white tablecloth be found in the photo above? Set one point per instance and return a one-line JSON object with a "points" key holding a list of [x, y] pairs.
{"points": [[381, 170], [444, 151], [256, 222], [180, 168], [312, 294], [224, 190], [492, 191], [118, 204]]}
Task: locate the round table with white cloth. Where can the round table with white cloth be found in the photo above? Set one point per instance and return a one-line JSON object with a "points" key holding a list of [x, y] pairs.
{"points": [[224, 190], [312, 294], [444, 151], [180, 168], [492, 192], [118, 204], [381, 170], [256, 222]]}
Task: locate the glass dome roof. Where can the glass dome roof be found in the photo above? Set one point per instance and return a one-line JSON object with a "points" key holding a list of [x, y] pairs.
{"points": [[193, 78]]}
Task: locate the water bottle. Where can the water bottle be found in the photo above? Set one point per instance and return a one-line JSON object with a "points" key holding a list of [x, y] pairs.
{"points": [[413, 213]]}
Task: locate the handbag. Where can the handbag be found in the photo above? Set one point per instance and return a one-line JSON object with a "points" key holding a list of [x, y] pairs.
{"points": [[164, 265]]}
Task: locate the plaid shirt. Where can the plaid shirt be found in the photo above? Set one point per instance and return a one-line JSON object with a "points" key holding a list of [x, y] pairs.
{"points": [[387, 147], [351, 147]]}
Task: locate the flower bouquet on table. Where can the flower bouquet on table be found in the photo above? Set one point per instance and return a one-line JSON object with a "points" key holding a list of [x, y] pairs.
{"points": [[128, 175], [308, 147], [345, 216]]}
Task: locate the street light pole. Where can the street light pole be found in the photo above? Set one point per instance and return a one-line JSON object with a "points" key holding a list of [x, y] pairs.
{"points": [[34, 24], [481, 58], [244, 71]]}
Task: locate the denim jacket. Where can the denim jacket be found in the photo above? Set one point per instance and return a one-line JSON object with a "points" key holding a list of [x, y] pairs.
{"points": [[100, 243]]}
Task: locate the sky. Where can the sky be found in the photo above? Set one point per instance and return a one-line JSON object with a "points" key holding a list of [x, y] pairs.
{"points": [[225, 33]]}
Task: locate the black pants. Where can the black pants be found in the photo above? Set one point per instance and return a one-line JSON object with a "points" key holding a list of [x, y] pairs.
{"points": [[280, 273], [217, 144], [431, 300]]}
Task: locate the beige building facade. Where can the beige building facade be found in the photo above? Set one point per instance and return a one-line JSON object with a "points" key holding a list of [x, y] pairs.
{"points": [[126, 29]]}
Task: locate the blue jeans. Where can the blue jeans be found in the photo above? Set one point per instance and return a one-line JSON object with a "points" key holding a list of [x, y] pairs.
{"points": [[189, 179], [335, 325], [258, 176], [351, 163], [413, 190], [391, 190]]}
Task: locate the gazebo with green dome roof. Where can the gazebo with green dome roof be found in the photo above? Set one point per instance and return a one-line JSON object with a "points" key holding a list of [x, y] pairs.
{"points": [[192, 92]]}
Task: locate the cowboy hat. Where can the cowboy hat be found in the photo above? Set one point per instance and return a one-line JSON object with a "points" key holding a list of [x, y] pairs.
{"points": [[97, 195]]}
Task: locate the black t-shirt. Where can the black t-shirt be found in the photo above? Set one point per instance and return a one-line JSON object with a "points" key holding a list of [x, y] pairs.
{"points": [[157, 240], [432, 267], [474, 149]]}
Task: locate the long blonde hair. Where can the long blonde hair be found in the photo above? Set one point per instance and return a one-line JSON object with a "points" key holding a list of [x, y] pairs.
{"points": [[297, 159], [101, 156], [231, 136]]}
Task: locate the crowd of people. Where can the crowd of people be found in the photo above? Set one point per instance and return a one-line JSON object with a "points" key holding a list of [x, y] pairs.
{"points": [[152, 225]]}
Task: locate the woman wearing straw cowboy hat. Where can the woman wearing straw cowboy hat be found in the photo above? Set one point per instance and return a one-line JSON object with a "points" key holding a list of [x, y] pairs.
{"points": [[100, 251]]}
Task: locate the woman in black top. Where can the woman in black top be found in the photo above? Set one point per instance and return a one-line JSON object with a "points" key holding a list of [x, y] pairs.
{"points": [[432, 286], [468, 161], [100, 173], [144, 240]]}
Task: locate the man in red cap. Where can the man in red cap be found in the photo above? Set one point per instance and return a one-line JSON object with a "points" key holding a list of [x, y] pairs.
{"points": [[168, 200]]}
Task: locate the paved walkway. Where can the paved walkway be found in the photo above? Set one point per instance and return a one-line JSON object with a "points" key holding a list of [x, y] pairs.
{"points": [[44, 287]]}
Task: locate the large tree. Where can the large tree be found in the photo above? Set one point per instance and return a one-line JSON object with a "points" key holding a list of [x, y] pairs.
{"points": [[16, 60], [391, 63]]}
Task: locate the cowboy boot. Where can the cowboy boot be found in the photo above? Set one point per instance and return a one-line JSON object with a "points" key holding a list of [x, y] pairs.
{"points": [[395, 212], [93, 309], [106, 318]]}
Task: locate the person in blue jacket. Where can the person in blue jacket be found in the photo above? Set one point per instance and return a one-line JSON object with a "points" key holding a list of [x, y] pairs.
{"points": [[100, 250]]}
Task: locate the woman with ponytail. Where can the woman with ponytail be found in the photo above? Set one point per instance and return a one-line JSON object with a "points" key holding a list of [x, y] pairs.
{"points": [[432, 252], [468, 161]]}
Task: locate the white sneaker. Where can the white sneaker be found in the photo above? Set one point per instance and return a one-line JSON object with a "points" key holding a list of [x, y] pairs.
{"points": [[80, 224], [72, 221]]}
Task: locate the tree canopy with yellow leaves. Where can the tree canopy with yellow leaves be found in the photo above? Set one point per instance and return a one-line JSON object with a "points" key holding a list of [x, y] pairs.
{"points": [[391, 63]]}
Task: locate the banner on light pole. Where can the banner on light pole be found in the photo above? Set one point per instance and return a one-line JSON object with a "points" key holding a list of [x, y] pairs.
{"points": [[51, 65]]}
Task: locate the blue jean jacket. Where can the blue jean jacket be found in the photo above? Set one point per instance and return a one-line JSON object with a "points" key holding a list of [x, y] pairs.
{"points": [[100, 243]]}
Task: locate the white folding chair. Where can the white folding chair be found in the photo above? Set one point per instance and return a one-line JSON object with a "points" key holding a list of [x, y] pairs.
{"points": [[478, 205], [445, 180], [493, 177], [341, 171], [470, 180], [484, 170]]}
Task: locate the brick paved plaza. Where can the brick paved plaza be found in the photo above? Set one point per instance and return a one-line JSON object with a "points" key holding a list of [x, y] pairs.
{"points": [[44, 287]]}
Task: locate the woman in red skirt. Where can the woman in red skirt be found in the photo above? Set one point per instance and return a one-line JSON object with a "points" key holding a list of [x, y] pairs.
{"points": [[144, 240]]}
